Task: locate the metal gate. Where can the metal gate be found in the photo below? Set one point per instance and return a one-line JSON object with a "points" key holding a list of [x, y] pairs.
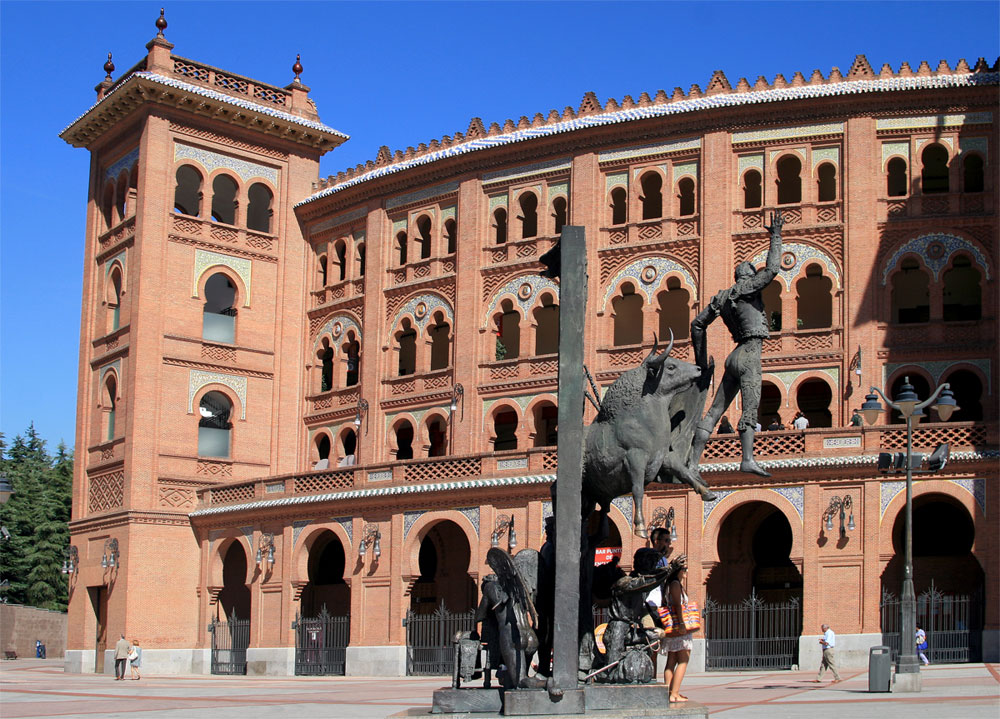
{"points": [[953, 623], [321, 643], [752, 634], [229, 645], [429, 639]]}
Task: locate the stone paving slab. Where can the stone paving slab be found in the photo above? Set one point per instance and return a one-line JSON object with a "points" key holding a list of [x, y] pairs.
{"points": [[39, 688]]}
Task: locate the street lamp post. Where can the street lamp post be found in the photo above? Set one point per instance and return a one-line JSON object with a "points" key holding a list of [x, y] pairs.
{"points": [[909, 405]]}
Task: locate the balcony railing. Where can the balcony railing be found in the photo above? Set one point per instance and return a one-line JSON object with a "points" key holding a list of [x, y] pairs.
{"points": [[936, 205], [823, 442], [525, 250], [803, 213]]}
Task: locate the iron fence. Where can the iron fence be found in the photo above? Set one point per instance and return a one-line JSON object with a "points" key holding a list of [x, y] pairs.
{"points": [[752, 634], [321, 643], [429, 639], [230, 640], [953, 624]]}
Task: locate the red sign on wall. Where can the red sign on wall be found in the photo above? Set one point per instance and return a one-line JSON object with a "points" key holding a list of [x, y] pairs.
{"points": [[604, 555]]}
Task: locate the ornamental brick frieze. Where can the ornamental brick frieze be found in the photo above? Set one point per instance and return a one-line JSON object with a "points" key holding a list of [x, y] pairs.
{"points": [[205, 245], [228, 140], [338, 325], [794, 360], [210, 367], [936, 250], [396, 296], [687, 252], [125, 518], [828, 242], [426, 399], [106, 492], [212, 161], [794, 255], [649, 275], [114, 352], [421, 308], [116, 239], [503, 389], [524, 289]]}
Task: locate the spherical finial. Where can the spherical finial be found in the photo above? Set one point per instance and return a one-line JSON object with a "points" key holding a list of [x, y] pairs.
{"points": [[109, 67], [161, 24], [297, 67]]}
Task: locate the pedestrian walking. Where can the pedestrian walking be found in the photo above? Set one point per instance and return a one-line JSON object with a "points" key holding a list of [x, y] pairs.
{"points": [[921, 639], [828, 641], [122, 649], [135, 659], [677, 648]]}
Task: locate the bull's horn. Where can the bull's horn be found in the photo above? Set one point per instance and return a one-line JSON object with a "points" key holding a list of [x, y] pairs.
{"points": [[666, 353], [652, 352]]}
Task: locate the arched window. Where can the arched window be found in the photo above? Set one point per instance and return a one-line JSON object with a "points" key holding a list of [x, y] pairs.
{"points": [[114, 298], [214, 427], [401, 248], [789, 180], [813, 398], [934, 174], [973, 174], [121, 194], [752, 195], [770, 403], [500, 225], [814, 304], [404, 440], [963, 295], [133, 191], [110, 402], [510, 331], [224, 190], [437, 437], [108, 204], [451, 236], [546, 416], [326, 367], [652, 196], [187, 193], [505, 430], [559, 212], [628, 316], [348, 448], [826, 183], [407, 338], [772, 305], [910, 294], [322, 271], [219, 312], [361, 260], [440, 334], [529, 214], [547, 326], [352, 349], [896, 184], [340, 255], [675, 313], [968, 391], [259, 207], [685, 197], [323, 447], [424, 236], [619, 206]]}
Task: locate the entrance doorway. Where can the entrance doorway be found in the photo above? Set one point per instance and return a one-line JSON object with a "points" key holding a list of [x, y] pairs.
{"points": [[323, 628], [231, 633], [99, 603]]}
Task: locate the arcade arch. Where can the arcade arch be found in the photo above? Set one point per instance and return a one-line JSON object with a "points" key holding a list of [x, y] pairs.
{"points": [[443, 563]]}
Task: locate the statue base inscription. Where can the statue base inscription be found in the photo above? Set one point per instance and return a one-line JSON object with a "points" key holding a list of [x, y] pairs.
{"points": [[613, 701]]}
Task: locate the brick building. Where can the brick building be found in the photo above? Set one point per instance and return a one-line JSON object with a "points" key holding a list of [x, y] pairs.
{"points": [[298, 393]]}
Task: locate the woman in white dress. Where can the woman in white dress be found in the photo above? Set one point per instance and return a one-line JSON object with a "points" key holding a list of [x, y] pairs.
{"points": [[677, 648]]}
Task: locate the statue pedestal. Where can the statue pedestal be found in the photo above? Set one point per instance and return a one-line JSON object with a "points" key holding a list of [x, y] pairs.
{"points": [[613, 701]]}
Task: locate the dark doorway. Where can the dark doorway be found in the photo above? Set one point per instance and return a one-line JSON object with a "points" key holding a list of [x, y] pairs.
{"points": [[99, 603]]}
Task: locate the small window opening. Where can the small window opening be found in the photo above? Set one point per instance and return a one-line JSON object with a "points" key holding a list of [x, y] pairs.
{"points": [[361, 260], [326, 364], [896, 184], [407, 349], [214, 427], [341, 250], [685, 196], [219, 313], [451, 236], [814, 304], [500, 225], [628, 316], [108, 205], [322, 271], [353, 351], [789, 180], [546, 425], [259, 208], [559, 212], [505, 431], [547, 326], [675, 312], [440, 343], [619, 206], [187, 194], [963, 294], [424, 236], [934, 175], [973, 174], [772, 305], [910, 294], [652, 196], [437, 436], [752, 195], [110, 404], [510, 331], [224, 200], [115, 299], [529, 214], [826, 183], [323, 447], [401, 248], [121, 194], [404, 441]]}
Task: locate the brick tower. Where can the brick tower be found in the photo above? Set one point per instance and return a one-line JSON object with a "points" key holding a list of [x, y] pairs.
{"points": [[191, 330]]}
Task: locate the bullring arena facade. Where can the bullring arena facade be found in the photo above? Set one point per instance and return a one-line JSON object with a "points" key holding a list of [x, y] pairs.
{"points": [[302, 397]]}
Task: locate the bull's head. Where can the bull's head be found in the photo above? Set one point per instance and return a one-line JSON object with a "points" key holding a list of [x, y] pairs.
{"points": [[666, 374]]}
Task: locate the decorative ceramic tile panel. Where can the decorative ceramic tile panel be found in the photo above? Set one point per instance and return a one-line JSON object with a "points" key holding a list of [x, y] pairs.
{"points": [[513, 463], [648, 273], [889, 489], [800, 151], [297, 526], [519, 173], [338, 326], [975, 487], [348, 524], [938, 121], [747, 162], [199, 378], [789, 133], [794, 495], [826, 154], [685, 168], [498, 201], [125, 163], [213, 161], [119, 258], [204, 259], [975, 144], [801, 254], [399, 226], [790, 377], [409, 518], [448, 213], [341, 219], [424, 194], [664, 168], [522, 401], [559, 188], [380, 475], [890, 149], [248, 533], [472, 514], [628, 153], [614, 179], [422, 308], [116, 366], [416, 414], [626, 505], [936, 250], [937, 369], [534, 189], [525, 289], [707, 507], [359, 236]]}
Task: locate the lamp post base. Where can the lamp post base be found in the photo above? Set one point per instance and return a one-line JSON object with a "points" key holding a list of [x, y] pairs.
{"points": [[907, 682]]}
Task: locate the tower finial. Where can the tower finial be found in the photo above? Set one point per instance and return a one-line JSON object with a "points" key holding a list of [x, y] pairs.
{"points": [[109, 67], [161, 24], [297, 67]]}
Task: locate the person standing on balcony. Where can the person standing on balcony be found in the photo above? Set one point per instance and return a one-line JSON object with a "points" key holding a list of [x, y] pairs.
{"points": [[742, 310], [800, 421]]}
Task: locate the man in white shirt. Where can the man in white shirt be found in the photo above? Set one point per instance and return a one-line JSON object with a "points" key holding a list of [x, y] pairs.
{"points": [[828, 641], [800, 421]]}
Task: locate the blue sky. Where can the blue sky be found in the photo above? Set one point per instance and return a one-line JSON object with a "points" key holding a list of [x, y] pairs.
{"points": [[386, 73]]}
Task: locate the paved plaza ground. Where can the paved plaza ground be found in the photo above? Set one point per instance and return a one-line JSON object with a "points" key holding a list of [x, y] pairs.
{"points": [[40, 688]]}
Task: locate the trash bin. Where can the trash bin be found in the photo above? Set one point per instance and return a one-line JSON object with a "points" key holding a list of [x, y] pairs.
{"points": [[879, 669], [42, 650]]}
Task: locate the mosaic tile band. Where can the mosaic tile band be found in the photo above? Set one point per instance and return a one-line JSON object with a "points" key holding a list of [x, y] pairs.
{"points": [[213, 161], [204, 260], [950, 243], [200, 378]]}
